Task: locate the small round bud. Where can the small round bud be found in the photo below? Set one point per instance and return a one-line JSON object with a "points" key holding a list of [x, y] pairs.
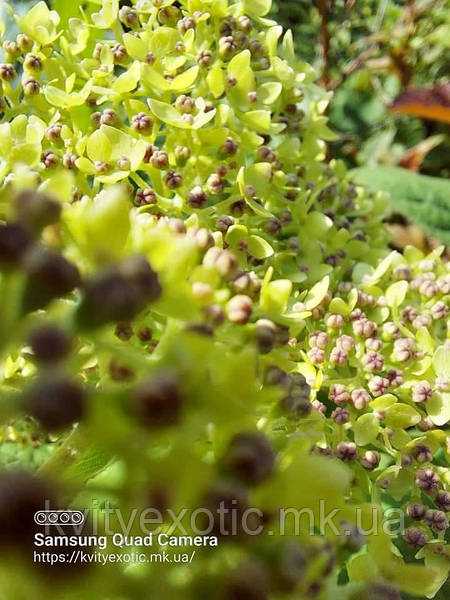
{"points": [[36, 210], [215, 184], [338, 394], [173, 180], [49, 275], [56, 402], [202, 237], [422, 453], [185, 104], [15, 240], [185, 24], [227, 46], [120, 53], [49, 344], [144, 197], [159, 159], [142, 122], [346, 451], [224, 222], [421, 392], [427, 480], [443, 500], [158, 401], [416, 511], [7, 72], [318, 339], [370, 460], [395, 377], [31, 87], [124, 331], [378, 385], [338, 357], [182, 155], [204, 59], [436, 520], [197, 197], [32, 63], [24, 42], [50, 160], [340, 415], [364, 328], [128, 16], [108, 117], [334, 321], [345, 343], [123, 163], [360, 399], [372, 361], [229, 147], [250, 458], [53, 133], [316, 355], [272, 226], [239, 309], [244, 24], [414, 536]]}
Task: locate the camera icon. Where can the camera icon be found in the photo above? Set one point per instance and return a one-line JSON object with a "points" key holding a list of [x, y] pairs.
{"points": [[59, 517]]}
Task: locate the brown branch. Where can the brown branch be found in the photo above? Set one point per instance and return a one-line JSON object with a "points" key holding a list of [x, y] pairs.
{"points": [[324, 10]]}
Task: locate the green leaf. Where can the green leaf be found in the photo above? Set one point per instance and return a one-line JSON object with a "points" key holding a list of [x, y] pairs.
{"points": [[420, 197], [269, 92], [317, 293], [128, 80], [259, 247], [366, 429], [257, 8], [441, 362], [402, 416], [275, 296], [438, 408], [396, 293]]}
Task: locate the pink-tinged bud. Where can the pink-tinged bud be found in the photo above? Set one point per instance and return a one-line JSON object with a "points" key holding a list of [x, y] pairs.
{"points": [[319, 406], [239, 309], [409, 313], [316, 355], [357, 314], [345, 343], [427, 480], [414, 536], [404, 349], [395, 377], [338, 357], [429, 289], [444, 284], [373, 361], [422, 453], [340, 415], [338, 394], [436, 520], [373, 344], [422, 321], [425, 424], [360, 399], [439, 310], [402, 272], [364, 328], [346, 451], [416, 511], [378, 385], [443, 500], [334, 320], [390, 331], [370, 460], [318, 339], [421, 392]]}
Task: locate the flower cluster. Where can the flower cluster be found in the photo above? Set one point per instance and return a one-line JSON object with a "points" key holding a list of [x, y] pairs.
{"points": [[185, 320]]}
